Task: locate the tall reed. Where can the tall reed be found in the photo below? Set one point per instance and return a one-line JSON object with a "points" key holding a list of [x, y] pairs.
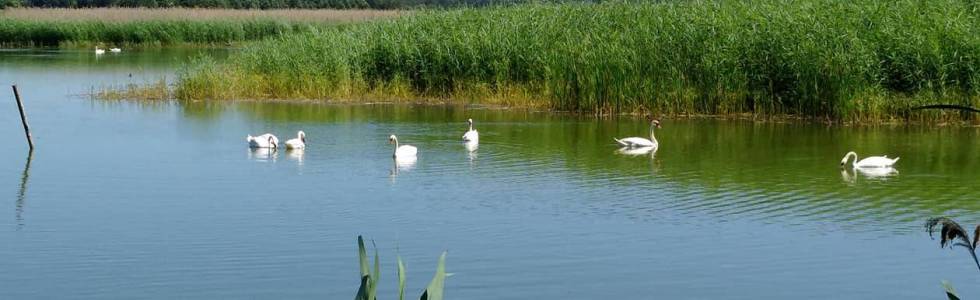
{"points": [[845, 59]]}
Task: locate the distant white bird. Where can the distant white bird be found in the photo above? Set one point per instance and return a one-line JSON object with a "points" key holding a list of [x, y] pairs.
{"points": [[298, 143], [403, 151], [869, 162], [116, 50], [637, 142], [99, 51], [472, 135], [263, 141]]}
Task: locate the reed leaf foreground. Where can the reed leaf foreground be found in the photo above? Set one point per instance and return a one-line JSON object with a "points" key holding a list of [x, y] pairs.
{"points": [[952, 234], [846, 59]]}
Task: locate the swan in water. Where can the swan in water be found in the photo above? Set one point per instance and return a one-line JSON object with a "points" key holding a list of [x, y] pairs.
{"points": [[637, 142], [869, 162], [472, 135], [115, 50], [99, 51], [298, 143], [403, 151], [263, 141]]}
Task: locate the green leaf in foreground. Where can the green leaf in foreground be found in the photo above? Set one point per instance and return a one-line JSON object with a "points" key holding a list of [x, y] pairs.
{"points": [[401, 279], [369, 283], [950, 292], [434, 291]]}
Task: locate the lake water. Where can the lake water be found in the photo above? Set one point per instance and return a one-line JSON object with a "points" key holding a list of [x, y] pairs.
{"points": [[142, 200]]}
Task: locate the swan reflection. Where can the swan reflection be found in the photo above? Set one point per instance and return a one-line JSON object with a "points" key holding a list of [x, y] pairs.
{"points": [[471, 148], [637, 151], [296, 155], [400, 164], [262, 154], [880, 174]]}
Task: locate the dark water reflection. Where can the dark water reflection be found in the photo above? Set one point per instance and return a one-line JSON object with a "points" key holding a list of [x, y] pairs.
{"points": [[23, 189], [163, 200]]}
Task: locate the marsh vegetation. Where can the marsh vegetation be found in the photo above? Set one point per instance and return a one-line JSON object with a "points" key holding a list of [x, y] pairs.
{"points": [[867, 60]]}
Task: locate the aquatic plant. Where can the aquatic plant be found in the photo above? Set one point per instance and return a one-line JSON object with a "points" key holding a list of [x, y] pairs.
{"points": [[369, 278], [851, 60], [950, 292], [952, 234]]}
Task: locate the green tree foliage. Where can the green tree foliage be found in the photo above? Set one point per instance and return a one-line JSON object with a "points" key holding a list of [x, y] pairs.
{"points": [[257, 4]]}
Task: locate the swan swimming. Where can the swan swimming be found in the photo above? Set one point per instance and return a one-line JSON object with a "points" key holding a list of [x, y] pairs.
{"points": [[263, 141], [115, 50], [298, 143], [637, 142], [870, 161], [404, 151], [472, 135], [99, 51]]}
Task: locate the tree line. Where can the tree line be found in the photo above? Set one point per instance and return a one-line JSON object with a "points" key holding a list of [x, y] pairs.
{"points": [[253, 4]]}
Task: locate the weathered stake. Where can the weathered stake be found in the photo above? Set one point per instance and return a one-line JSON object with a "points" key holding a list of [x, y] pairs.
{"points": [[23, 118]]}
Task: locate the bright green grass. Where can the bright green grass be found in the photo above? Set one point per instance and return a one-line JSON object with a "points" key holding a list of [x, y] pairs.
{"points": [[829, 58]]}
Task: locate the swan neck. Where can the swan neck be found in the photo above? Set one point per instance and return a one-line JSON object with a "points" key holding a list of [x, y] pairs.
{"points": [[652, 137], [395, 152]]}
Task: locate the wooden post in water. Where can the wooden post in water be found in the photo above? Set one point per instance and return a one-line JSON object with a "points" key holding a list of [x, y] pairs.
{"points": [[23, 118]]}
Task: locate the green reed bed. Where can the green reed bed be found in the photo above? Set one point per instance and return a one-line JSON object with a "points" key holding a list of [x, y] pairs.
{"points": [[15, 32], [828, 58]]}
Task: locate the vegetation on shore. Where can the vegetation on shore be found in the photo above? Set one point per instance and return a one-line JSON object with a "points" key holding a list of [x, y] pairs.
{"points": [[822, 58], [162, 27], [254, 4]]}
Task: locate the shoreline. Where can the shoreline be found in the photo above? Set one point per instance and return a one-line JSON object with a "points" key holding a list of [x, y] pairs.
{"points": [[141, 94]]}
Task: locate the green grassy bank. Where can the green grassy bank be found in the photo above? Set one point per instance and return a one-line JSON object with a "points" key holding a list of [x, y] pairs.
{"points": [[828, 58]]}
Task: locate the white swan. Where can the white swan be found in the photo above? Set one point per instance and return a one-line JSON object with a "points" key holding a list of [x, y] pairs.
{"points": [[637, 142], [263, 141], [99, 51], [116, 50], [404, 151], [869, 162], [472, 135], [298, 143]]}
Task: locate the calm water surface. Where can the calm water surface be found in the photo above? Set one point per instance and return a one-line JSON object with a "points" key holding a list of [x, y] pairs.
{"points": [[140, 200]]}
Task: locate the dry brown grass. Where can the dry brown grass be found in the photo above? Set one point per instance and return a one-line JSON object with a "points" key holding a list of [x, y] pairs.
{"points": [[143, 14]]}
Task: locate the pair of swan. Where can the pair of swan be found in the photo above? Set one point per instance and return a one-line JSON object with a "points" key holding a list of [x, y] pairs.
{"points": [[638, 142], [269, 140], [102, 51], [471, 137]]}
